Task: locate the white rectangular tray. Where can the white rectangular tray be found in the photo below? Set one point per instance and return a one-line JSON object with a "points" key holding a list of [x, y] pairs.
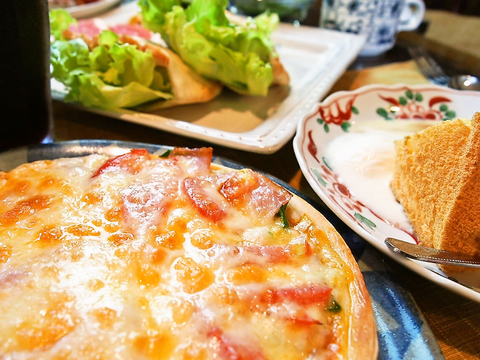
{"points": [[315, 58]]}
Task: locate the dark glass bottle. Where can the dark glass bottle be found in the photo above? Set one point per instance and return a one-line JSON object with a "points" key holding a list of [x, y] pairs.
{"points": [[25, 100]]}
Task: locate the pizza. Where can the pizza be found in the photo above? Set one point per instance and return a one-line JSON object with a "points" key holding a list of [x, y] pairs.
{"points": [[169, 256]]}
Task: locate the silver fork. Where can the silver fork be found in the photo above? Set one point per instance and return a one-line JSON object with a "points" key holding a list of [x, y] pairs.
{"points": [[427, 254], [428, 66]]}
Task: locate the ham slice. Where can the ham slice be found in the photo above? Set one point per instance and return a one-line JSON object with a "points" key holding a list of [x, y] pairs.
{"points": [[94, 26]]}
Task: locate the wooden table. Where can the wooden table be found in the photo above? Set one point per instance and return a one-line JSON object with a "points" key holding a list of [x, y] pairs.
{"points": [[454, 320]]}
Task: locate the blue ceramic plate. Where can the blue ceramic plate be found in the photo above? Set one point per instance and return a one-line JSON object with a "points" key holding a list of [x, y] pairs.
{"points": [[402, 331]]}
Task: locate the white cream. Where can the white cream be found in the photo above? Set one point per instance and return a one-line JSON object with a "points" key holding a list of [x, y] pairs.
{"points": [[364, 158]]}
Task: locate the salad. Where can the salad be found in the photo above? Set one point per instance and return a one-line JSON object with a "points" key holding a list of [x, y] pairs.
{"points": [[108, 74], [241, 56]]}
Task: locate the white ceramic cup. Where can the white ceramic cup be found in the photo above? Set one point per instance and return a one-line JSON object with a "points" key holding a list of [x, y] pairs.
{"points": [[378, 21]]}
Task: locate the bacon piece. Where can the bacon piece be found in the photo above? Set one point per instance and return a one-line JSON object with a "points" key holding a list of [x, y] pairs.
{"points": [[131, 162], [275, 254], [95, 26], [12, 277], [239, 255], [278, 302], [89, 27], [196, 152], [226, 348], [200, 159], [127, 39], [197, 192], [312, 294], [132, 30], [159, 53], [270, 254], [256, 192], [91, 41], [145, 203], [304, 320]]}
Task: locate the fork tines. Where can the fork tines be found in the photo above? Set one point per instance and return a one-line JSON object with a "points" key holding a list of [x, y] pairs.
{"points": [[428, 66]]}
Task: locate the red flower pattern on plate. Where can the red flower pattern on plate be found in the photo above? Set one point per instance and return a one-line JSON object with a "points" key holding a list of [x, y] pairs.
{"points": [[337, 192], [334, 114], [409, 106]]}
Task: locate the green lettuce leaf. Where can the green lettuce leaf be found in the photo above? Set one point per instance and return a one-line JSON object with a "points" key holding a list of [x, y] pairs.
{"points": [[239, 56], [60, 20], [112, 75]]}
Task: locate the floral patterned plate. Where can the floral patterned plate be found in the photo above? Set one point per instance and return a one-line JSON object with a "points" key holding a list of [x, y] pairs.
{"points": [[338, 148]]}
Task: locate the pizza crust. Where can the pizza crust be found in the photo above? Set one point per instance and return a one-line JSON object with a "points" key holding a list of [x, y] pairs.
{"points": [[362, 337]]}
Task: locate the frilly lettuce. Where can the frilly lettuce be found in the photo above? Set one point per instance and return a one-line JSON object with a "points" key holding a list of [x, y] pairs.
{"points": [[237, 55], [111, 75]]}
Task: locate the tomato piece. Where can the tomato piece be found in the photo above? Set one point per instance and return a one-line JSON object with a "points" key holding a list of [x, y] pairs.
{"points": [[313, 294], [131, 162], [255, 192], [196, 190], [238, 187]]}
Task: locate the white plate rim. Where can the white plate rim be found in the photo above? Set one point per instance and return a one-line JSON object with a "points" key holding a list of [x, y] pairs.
{"points": [[423, 269], [341, 51], [91, 9]]}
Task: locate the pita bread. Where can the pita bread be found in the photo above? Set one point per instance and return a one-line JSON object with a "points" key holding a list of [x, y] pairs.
{"points": [[188, 87]]}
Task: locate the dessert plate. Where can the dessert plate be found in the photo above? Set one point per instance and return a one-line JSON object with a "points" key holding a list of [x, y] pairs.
{"points": [[314, 58], [403, 332], [345, 150]]}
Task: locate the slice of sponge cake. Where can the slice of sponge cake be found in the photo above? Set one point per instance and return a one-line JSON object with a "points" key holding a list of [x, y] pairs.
{"points": [[437, 180]]}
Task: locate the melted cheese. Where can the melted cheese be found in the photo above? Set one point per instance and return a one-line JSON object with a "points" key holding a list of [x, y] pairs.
{"points": [[125, 265]]}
